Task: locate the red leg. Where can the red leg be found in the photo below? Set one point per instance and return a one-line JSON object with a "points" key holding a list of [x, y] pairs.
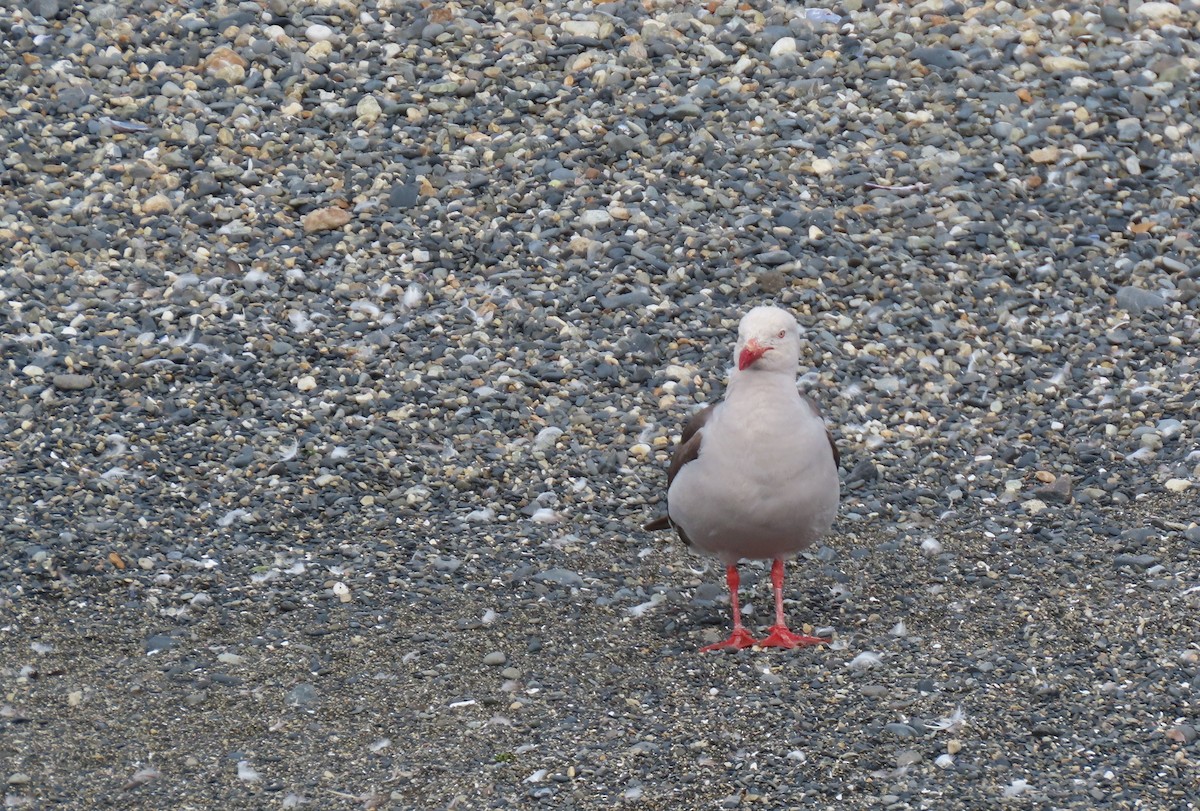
{"points": [[780, 636], [740, 637]]}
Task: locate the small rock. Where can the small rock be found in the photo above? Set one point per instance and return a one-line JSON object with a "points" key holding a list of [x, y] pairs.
{"points": [[1135, 561], [1063, 64], [561, 577], [1183, 733], [318, 33], [595, 218], [1177, 485], [302, 695], [495, 659], [589, 29], [1129, 129], [306, 383], [73, 382], [158, 642], [822, 166], [158, 204], [324, 219], [19, 779], [49, 9], [685, 110], [1059, 490], [1034, 506], [784, 45], [227, 65], [775, 258], [939, 57], [1045, 154], [1157, 12], [1138, 300], [367, 111], [319, 51]]}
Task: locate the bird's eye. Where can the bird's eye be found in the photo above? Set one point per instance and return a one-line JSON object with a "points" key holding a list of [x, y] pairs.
{"points": [[782, 332]]}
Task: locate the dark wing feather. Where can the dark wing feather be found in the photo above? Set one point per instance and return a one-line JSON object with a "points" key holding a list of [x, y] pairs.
{"points": [[837, 457], [689, 442], [687, 450]]}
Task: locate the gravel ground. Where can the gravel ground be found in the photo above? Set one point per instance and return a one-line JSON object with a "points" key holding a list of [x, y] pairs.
{"points": [[344, 345]]}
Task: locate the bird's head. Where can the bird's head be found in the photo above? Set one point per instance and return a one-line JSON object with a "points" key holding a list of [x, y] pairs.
{"points": [[768, 340]]}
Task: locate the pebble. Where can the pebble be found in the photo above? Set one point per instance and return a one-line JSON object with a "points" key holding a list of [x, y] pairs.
{"points": [[588, 29], [594, 218], [367, 111], [1060, 64], [1158, 11], [495, 659], [157, 204], [325, 219], [227, 65], [318, 33], [783, 45], [73, 382], [1138, 300]]}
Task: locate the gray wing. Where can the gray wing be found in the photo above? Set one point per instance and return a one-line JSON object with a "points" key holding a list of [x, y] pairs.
{"points": [[816, 410]]}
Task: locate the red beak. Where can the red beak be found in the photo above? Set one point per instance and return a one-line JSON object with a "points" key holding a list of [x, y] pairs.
{"points": [[750, 353]]}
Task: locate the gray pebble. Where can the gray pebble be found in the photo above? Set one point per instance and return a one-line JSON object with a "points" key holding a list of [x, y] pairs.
{"points": [[72, 382]]}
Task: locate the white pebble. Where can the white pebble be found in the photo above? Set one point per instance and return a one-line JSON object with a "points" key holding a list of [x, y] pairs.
{"points": [[546, 438], [1158, 11], [342, 591], [306, 383], [546, 516], [931, 546], [865, 661], [944, 761], [318, 33], [1016, 788], [784, 45], [595, 218], [246, 772], [581, 28]]}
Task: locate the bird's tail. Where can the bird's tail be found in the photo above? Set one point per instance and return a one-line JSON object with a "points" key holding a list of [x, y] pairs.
{"points": [[659, 522]]}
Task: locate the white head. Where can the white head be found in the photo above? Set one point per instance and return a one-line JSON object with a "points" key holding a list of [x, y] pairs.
{"points": [[768, 341]]}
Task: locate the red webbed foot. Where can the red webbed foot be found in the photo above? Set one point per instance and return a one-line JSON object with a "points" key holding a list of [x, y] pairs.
{"points": [[781, 637], [738, 640]]}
